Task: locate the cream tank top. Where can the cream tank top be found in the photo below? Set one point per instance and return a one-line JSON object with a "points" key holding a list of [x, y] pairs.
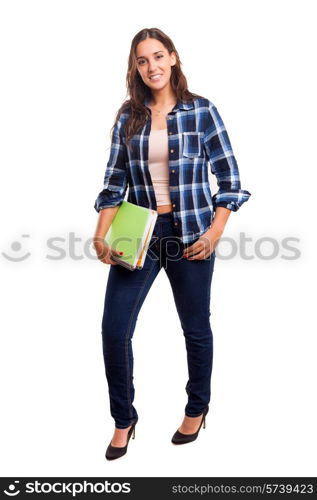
{"points": [[158, 165]]}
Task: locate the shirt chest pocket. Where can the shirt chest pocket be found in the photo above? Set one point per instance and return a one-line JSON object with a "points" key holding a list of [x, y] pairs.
{"points": [[192, 144]]}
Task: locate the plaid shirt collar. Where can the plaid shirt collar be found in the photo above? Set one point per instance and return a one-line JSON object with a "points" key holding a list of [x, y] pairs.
{"points": [[180, 104]]}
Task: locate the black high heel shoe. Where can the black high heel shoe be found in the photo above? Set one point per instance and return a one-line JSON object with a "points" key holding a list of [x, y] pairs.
{"points": [[180, 438], [114, 452]]}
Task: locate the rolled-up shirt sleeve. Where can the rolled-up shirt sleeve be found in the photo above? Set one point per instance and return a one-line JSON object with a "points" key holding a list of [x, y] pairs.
{"points": [[115, 178], [223, 163]]}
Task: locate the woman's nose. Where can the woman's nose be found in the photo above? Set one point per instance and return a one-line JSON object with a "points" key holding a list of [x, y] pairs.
{"points": [[152, 67]]}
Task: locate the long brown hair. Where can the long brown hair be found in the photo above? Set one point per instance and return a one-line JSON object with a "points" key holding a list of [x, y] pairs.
{"points": [[138, 91]]}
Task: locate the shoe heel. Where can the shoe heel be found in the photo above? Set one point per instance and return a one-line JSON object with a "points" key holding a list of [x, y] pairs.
{"points": [[133, 433], [204, 422]]}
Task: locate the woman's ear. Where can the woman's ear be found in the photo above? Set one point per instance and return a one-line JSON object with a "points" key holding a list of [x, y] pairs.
{"points": [[173, 56]]}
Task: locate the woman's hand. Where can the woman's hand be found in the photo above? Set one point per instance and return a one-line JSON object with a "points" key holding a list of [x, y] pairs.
{"points": [[208, 241], [104, 252], [204, 246]]}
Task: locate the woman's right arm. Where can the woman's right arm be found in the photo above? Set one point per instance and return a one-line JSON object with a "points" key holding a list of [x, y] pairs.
{"points": [[103, 251], [110, 198]]}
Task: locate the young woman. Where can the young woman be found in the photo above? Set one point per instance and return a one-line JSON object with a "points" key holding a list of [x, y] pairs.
{"points": [[163, 138]]}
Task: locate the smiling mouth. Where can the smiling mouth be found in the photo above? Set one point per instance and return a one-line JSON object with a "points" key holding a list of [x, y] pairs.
{"points": [[155, 77]]}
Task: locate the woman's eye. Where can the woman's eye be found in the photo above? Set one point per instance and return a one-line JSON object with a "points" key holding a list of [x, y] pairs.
{"points": [[142, 60]]}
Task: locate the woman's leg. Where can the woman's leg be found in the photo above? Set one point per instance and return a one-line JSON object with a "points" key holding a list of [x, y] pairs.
{"points": [[191, 285], [125, 294]]}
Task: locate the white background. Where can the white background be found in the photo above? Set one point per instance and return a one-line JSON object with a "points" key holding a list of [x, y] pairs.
{"points": [[63, 67]]}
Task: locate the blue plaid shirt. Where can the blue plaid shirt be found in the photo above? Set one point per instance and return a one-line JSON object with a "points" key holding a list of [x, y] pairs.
{"points": [[196, 136]]}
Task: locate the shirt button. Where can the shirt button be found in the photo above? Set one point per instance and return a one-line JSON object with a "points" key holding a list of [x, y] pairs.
{"points": [[172, 150], [175, 223], [173, 171], [174, 205], [170, 133]]}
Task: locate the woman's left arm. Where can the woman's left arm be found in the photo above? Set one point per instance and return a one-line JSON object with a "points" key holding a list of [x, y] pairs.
{"points": [[229, 196]]}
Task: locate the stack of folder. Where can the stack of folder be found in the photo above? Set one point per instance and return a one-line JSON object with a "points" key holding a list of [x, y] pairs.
{"points": [[131, 232]]}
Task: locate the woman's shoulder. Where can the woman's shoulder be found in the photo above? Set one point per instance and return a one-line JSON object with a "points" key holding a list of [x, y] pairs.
{"points": [[202, 102], [124, 111]]}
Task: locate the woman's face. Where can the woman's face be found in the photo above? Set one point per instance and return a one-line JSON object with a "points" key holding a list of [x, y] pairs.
{"points": [[154, 59]]}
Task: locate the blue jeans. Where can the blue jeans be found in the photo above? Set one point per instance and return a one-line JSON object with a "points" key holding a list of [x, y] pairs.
{"points": [[125, 294]]}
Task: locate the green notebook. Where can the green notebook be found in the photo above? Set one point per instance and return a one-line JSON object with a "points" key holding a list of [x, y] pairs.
{"points": [[130, 232]]}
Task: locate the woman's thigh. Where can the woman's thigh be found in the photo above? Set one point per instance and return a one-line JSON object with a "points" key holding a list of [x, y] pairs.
{"points": [[190, 281], [125, 293]]}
